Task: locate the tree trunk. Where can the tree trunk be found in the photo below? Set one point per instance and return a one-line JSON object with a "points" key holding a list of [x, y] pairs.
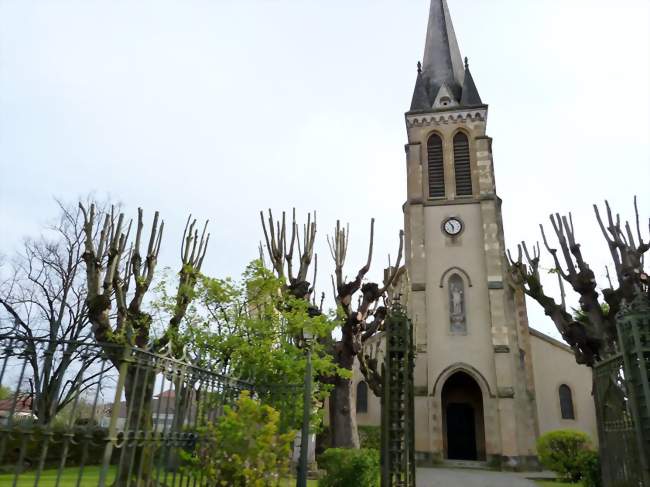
{"points": [[343, 416], [135, 468], [44, 405], [182, 412]]}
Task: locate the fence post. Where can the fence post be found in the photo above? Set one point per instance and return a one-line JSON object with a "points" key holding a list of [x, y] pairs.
{"points": [[398, 452], [301, 481], [385, 423]]}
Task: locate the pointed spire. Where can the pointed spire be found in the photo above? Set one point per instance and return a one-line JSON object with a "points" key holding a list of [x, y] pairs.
{"points": [[470, 97], [442, 64]]}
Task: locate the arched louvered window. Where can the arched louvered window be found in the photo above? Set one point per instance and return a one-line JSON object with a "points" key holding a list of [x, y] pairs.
{"points": [[362, 397], [436, 167], [566, 402], [462, 168]]}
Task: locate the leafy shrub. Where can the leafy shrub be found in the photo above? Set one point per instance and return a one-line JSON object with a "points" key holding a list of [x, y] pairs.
{"points": [[590, 468], [243, 448], [561, 450], [370, 437], [347, 467]]}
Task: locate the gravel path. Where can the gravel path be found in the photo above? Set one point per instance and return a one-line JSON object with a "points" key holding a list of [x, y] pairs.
{"points": [[448, 477]]}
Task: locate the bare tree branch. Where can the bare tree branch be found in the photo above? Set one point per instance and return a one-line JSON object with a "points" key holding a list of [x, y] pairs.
{"points": [[592, 334]]}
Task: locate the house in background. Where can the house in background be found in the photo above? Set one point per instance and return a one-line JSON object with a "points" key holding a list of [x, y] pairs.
{"points": [[163, 408], [21, 407]]}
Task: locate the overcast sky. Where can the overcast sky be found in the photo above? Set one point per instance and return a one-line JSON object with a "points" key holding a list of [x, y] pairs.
{"points": [[222, 108]]}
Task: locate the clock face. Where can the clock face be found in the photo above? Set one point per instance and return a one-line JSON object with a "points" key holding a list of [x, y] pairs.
{"points": [[452, 226]]}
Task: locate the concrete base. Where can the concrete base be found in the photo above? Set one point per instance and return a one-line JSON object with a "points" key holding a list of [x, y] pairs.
{"points": [[312, 470], [473, 464]]}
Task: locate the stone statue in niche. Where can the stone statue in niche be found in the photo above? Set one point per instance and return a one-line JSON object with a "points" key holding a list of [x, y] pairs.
{"points": [[457, 321]]}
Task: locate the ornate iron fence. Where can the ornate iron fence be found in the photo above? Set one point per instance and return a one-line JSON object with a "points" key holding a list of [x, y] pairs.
{"points": [[622, 397], [128, 422], [619, 452], [397, 406]]}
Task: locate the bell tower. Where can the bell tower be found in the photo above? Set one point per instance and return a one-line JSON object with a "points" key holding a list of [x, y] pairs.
{"points": [[475, 397]]}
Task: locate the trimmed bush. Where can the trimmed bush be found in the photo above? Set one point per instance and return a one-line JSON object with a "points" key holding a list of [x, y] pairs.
{"points": [[590, 469], [243, 448], [561, 450], [348, 467]]}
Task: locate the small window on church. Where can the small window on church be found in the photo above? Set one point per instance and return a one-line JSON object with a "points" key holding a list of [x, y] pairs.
{"points": [[457, 321], [462, 168], [436, 167], [566, 402], [362, 397]]}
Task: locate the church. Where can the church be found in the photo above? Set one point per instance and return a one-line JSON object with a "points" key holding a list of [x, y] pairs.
{"points": [[487, 384]]}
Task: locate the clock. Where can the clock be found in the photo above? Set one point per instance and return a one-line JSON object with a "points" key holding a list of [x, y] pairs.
{"points": [[452, 226]]}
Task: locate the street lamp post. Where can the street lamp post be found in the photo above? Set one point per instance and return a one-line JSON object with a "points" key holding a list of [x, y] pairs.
{"points": [[301, 481]]}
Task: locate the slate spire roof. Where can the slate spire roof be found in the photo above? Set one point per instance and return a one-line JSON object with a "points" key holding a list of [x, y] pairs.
{"points": [[470, 96], [442, 65]]}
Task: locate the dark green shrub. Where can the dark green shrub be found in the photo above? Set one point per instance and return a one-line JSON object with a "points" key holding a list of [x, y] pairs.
{"points": [[82, 445], [560, 451], [590, 469], [370, 437], [322, 440], [348, 467]]}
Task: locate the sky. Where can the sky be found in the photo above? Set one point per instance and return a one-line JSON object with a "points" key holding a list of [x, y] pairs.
{"points": [[222, 108]]}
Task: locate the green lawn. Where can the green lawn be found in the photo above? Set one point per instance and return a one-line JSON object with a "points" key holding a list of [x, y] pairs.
{"points": [[48, 478], [552, 483], [90, 478]]}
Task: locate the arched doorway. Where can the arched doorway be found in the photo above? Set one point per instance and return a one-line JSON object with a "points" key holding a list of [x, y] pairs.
{"points": [[462, 418]]}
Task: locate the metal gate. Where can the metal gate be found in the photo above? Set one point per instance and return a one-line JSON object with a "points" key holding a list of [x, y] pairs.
{"points": [[622, 397]]}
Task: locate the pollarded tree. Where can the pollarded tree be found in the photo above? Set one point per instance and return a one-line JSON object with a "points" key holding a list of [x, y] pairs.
{"points": [[358, 322], [591, 334], [118, 279], [281, 247]]}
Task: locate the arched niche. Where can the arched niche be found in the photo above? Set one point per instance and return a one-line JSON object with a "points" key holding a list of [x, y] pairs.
{"points": [[460, 271], [457, 304]]}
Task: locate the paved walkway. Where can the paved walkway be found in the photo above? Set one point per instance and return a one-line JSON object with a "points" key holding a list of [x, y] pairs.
{"points": [[457, 477]]}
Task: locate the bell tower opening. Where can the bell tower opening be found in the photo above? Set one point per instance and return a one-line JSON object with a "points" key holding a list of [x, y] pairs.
{"points": [[462, 418]]}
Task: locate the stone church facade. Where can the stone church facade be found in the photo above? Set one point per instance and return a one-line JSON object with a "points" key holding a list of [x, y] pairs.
{"points": [[486, 383]]}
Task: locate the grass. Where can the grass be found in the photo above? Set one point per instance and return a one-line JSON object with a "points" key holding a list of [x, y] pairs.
{"points": [[90, 478], [553, 483], [48, 478]]}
